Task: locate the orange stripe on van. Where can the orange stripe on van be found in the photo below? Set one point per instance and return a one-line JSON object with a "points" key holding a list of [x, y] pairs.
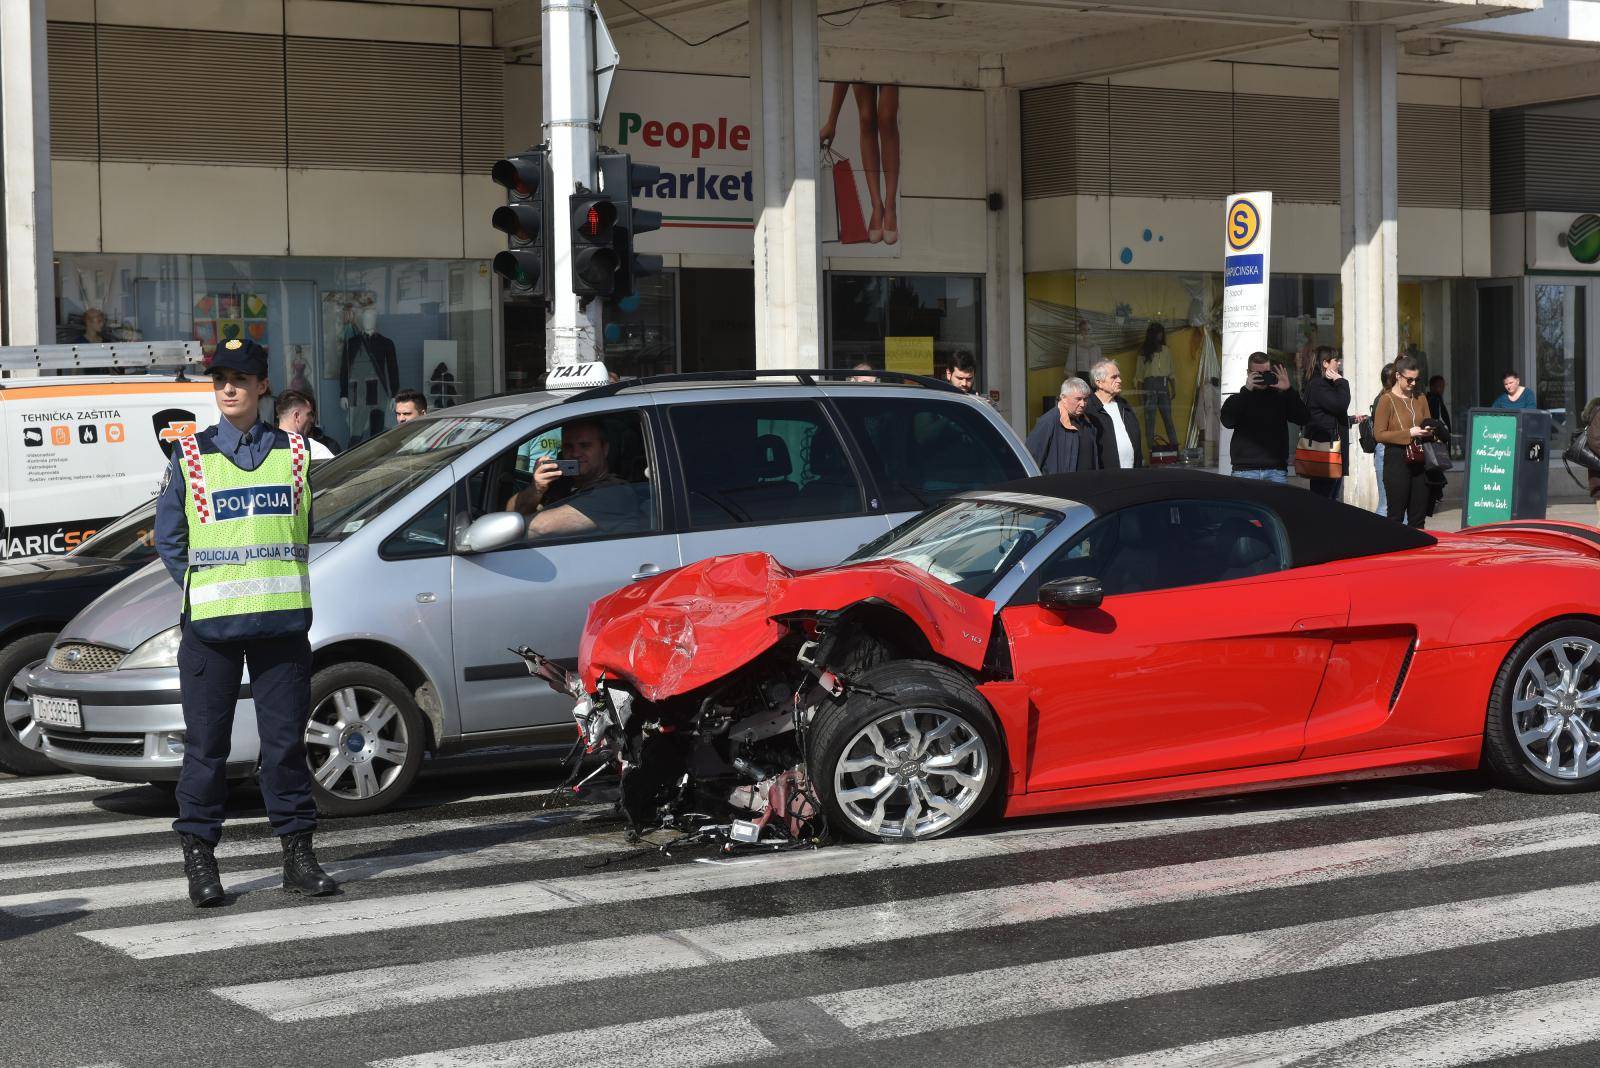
{"points": [[105, 389]]}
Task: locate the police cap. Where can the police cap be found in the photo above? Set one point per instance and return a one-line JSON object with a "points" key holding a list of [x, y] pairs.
{"points": [[242, 355]]}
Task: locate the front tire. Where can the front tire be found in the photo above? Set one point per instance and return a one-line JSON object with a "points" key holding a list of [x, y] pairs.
{"points": [[365, 739], [1542, 732], [921, 761], [19, 740]]}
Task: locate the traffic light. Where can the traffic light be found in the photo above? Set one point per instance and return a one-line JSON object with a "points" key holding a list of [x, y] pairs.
{"points": [[525, 220], [594, 256], [621, 178]]}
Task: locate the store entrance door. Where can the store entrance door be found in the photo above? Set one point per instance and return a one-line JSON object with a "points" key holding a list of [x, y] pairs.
{"points": [[1560, 317]]}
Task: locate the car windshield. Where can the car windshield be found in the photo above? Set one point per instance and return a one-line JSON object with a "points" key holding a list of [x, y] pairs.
{"points": [[130, 538], [969, 544], [350, 489]]}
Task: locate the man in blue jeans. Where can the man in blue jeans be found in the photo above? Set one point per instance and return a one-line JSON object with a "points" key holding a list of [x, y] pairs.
{"points": [[1259, 416]]}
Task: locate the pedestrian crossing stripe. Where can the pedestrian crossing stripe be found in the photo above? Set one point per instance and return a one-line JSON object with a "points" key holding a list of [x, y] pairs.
{"points": [[50, 785], [408, 911], [926, 1006], [763, 939]]}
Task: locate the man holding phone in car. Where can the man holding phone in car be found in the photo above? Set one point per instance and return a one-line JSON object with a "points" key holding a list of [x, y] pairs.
{"points": [[1259, 416], [577, 494]]}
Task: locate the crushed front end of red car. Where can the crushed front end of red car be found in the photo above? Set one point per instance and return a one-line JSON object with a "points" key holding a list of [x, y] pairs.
{"points": [[701, 684]]}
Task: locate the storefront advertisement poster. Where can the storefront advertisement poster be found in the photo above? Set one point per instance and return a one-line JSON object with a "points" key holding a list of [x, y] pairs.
{"points": [[697, 129], [909, 355]]}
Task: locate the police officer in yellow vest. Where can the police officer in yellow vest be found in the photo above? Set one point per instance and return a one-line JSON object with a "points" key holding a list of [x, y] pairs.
{"points": [[233, 528]]}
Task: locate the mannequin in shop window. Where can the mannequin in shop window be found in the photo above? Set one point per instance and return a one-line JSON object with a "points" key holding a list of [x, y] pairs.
{"points": [[368, 379]]}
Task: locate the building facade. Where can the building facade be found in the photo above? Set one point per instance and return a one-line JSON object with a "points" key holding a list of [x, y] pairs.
{"points": [[314, 174]]}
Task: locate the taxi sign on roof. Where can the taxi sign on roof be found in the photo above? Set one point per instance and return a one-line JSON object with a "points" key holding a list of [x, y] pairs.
{"points": [[577, 376]]}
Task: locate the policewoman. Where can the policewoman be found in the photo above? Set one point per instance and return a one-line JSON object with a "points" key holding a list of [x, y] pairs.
{"points": [[233, 527]]}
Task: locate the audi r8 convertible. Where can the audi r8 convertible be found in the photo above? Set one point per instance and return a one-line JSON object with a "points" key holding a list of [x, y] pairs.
{"points": [[1095, 639]]}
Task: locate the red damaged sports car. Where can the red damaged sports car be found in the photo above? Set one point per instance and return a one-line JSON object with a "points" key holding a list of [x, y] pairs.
{"points": [[1097, 639]]}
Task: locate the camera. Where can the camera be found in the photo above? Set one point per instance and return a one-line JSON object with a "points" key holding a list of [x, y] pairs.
{"points": [[1269, 377]]}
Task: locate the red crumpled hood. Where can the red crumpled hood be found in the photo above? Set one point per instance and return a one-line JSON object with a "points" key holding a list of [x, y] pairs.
{"points": [[695, 625]]}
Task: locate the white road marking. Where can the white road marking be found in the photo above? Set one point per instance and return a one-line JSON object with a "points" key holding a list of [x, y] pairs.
{"points": [[1469, 1031], [380, 989], [925, 1006], [724, 1037], [127, 828], [46, 785], [433, 862], [330, 837], [411, 911]]}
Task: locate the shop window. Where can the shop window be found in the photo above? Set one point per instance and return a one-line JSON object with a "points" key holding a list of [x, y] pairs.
{"points": [[349, 333], [907, 322], [641, 330]]}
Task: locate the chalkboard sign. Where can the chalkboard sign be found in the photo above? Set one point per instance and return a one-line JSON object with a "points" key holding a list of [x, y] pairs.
{"points": [[1491, 468]]}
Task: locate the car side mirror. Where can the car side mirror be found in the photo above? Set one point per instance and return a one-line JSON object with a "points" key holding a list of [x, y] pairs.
{"points": [[1080, 592], [493, 531]]}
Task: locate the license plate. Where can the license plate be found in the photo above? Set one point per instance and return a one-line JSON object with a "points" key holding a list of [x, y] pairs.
{"points": [[57, 712]]}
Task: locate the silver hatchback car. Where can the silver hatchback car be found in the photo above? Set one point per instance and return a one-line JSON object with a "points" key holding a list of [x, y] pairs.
{"points": [[434, 549]]}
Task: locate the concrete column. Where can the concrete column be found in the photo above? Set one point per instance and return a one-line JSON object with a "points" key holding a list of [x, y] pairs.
{"points": [[1004, 299], [1368, 228], [788, 265], [27, 276]]}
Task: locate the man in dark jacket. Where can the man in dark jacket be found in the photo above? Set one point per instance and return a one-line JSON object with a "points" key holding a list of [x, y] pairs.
{"points": [[1259, 416], [1065, 439], [1113, 418]]}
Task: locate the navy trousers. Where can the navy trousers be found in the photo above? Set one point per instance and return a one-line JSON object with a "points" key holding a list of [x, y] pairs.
{"points": [[280, 684]]}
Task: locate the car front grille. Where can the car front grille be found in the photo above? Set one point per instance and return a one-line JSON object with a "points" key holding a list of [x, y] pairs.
{"points": [[112, 745], [85, 658]]}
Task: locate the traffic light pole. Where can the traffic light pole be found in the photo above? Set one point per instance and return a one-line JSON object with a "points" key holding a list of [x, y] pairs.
{"points": [[571, 126]]}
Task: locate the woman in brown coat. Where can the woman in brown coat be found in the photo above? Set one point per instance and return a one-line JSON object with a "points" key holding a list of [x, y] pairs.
{"points": [[1398, 424], [1591, 433]]}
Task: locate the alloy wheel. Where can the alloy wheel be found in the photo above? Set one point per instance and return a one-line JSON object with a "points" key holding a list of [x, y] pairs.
{"points": [[356, 742], [18, 711], [1555, 708], [911, 773]]}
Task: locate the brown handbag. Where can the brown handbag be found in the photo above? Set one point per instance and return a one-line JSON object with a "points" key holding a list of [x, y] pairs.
{"points": [[1414, 453]]}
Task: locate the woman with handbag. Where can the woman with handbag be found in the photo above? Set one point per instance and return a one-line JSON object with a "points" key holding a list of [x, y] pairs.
{"points": [[1398, 425], [1328, 401]]}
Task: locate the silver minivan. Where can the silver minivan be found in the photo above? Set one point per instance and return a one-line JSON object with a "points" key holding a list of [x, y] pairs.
{"points": [[422, 579]]}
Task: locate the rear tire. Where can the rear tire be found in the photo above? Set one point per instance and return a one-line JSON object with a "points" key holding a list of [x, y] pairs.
{"points": [[19, 740], [920, 762], [1542, 731], [365, 740]]}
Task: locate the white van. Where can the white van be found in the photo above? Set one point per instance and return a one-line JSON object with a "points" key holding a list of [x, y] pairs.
{"points": [[76, 451]]}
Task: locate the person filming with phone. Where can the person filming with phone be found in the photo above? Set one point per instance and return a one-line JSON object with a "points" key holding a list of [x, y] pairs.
{"points": [[1259, 416], [577, 493]]}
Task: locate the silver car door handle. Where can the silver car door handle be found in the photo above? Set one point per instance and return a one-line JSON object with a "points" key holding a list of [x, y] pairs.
{"points": [[646, 571]]}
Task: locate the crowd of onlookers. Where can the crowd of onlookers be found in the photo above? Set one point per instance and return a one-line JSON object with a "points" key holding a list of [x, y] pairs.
{"points": [[1406, 427]]}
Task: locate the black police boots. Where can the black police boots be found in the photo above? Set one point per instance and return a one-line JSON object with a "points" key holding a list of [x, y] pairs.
{"points": [[200, 865], [301, 872]]}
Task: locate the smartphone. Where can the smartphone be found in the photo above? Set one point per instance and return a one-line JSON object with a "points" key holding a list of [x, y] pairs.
{"points": [[569, 468]]}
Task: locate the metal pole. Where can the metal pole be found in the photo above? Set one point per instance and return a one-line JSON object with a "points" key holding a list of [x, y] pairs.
{"points": [[571, 127], [27, 273]]}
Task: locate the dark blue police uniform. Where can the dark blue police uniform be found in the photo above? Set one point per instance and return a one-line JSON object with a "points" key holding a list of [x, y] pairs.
{"points": [[210, 673]]}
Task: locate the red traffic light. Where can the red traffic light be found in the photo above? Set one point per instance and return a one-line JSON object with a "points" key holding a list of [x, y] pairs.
{"points": [[592, 218]]}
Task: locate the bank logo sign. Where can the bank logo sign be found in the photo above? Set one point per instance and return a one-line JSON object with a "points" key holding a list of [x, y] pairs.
{"points": [[1581, 239], [258, 500]]}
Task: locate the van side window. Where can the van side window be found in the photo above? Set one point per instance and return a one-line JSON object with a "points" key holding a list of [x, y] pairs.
{"points": [[428, 534], [763, 462], [587, 477], [921, 450]]}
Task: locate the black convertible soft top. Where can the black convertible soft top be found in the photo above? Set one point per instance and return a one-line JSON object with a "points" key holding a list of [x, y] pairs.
{"points": [[1319, 530]]}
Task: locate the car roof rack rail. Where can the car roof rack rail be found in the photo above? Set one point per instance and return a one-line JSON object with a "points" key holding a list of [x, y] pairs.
{"points": [[807, 376], [177, 356]]}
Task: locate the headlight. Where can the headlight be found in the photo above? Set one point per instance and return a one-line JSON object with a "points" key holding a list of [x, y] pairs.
{"points": [[158, 652]]}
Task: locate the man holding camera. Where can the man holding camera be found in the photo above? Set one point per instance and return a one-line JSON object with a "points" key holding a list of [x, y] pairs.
{"points": [[577, 494], [1259, 416]]}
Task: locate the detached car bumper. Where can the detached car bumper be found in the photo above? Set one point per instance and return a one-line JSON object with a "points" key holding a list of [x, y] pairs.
{"points": [[132, 724]]}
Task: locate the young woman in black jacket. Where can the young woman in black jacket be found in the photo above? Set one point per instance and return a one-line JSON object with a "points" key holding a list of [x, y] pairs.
{"points": [[1328, 401]]}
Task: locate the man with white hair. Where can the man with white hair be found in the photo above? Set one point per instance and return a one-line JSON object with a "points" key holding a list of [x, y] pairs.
{"points": [[1066, 440], [1113, 418]]}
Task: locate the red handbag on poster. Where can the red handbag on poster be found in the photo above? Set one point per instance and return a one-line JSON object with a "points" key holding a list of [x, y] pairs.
{"points": [[846, 200]]}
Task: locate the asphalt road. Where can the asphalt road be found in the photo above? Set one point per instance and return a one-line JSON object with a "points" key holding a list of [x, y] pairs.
{"points": [[1422, 921]]}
